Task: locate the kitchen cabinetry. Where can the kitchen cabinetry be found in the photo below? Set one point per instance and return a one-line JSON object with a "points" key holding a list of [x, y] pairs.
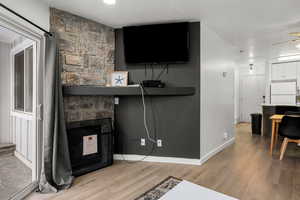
{"points": [[269, 110], [284, 71], [283, 93]]}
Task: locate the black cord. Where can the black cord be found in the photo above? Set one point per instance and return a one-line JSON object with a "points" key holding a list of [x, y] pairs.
{"points": [[145, 71], [152, 75], [166, 67]]}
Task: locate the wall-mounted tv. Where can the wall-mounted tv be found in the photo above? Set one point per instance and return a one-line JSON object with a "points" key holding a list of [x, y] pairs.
{"points": [[160, 43]]}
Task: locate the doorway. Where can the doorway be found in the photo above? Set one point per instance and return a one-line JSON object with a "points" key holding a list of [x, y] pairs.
{"points": [[252, 92], [20, 100], [23, 57]]}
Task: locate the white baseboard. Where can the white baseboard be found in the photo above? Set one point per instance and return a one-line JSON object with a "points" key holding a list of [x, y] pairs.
{"points": [[186, 161], [21, 195], [23, 160], [216, 150]]}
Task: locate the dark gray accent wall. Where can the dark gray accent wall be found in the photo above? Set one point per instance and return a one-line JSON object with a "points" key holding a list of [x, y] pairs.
{"points": [[174, 120]]}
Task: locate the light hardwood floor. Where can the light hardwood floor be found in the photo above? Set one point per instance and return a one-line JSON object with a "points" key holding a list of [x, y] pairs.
{"points": [[244, 170]]}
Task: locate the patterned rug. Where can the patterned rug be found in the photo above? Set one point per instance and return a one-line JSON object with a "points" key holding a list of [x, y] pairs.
{"points": [[159, 190]]}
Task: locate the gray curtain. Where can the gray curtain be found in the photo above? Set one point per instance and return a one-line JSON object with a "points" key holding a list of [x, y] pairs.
{"points": [[56, 171]]}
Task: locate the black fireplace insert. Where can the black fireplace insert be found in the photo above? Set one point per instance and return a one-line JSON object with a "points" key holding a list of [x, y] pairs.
{"points": [[90, 145]]}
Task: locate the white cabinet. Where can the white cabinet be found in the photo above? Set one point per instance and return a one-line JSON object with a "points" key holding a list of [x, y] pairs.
{"points": [[283, 93], [284, 71], [283, 99], [276, 71], [290, 70], [283, 88]]}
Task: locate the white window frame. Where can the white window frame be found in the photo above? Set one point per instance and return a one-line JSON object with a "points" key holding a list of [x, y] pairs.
{"points": [[19, 48]]}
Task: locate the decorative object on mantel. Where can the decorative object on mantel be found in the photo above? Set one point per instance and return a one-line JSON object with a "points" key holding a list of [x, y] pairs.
{"points": [[119, 79]]}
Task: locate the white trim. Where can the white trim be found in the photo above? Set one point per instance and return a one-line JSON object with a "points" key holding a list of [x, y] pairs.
{"points": [[25, 192], [217, 150], [23, 160], [22, 46], [27, 43], [17, 27], [38, 37], [129, 157], [22, 115]]}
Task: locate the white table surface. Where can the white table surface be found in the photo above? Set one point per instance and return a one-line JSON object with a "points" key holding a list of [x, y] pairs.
{"points": [[189, 191]]}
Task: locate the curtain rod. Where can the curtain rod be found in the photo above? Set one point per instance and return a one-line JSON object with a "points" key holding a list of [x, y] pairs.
{"points": [[25, 19]]}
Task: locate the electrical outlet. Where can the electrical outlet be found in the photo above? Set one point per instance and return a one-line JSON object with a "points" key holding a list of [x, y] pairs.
{"points": [[143, 142], [159, 143], [117, 101], [225, 136]]}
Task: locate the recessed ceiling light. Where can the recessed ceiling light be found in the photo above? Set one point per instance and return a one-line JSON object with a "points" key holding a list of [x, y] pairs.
{"points": [[110, 2]]}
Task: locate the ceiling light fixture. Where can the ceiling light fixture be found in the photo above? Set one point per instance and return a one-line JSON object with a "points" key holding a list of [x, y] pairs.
{"points": [[251, 68], [289, 57], [110, 2]]}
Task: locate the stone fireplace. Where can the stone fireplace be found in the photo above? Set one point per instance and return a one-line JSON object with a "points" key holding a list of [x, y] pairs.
{"points": [[86, 55]]}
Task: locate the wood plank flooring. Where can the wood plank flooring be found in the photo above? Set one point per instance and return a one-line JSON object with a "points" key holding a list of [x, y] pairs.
{"points": [[244, 170]]}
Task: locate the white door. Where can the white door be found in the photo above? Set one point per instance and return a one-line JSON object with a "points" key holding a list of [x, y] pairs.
{"points": [[252, 91], [23, 106]]}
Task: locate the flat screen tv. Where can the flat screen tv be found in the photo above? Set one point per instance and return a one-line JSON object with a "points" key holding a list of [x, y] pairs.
{"points": [[161, 43]]}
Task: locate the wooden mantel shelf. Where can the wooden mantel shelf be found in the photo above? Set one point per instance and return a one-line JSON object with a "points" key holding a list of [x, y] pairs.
{"points": [[126, 91]]}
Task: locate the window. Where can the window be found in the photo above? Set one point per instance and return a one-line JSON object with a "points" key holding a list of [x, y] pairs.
{"points": [[23, 80]]}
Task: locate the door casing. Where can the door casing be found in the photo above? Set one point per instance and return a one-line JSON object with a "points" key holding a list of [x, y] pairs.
{"points": [[39, 40]]}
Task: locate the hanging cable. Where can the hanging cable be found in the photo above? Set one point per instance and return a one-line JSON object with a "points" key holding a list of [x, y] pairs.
{"points": [[145, 115], [166, 67]]}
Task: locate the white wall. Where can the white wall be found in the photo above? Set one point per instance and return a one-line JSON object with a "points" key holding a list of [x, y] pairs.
{"points": [[217, 92], [5, 83], [35, 10], [236, 95]]}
